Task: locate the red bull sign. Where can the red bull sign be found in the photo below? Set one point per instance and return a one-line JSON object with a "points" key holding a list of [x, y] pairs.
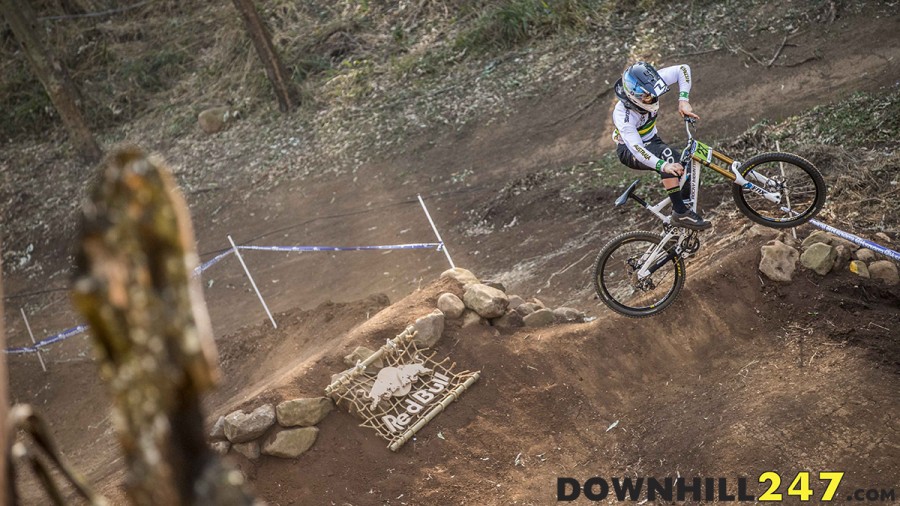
{"points": [[404, 395]]}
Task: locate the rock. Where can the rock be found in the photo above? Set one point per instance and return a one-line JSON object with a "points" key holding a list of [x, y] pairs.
{"points": [[290, 443], [568, 315], [511, 319], [241, 427], [462, 275], [883, 239], [360, 354], [218, 430], [495, 284], [842, 258], [451, 305], [540, 318], [884, 271], [537, 302], [220, 447], [528, 308], [859, 268], [819, 257], [515, 301], [303, 412], [471, 318], [249, 450], [429, 329], [778, 261], [840, 241], [816, 236], [486, 301], [865, 255], [214, 120], [787, 238], [758, 230]]}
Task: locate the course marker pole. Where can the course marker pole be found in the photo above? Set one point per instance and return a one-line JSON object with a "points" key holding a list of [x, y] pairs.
{"points": [[31, 334], [238, 253], [436, 233]]}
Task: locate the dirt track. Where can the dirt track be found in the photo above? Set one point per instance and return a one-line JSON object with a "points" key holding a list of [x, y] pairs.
{"points": [[738, 378]]}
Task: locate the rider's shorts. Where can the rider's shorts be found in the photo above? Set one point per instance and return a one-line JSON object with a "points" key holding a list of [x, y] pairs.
{"points": [[656, 146]]}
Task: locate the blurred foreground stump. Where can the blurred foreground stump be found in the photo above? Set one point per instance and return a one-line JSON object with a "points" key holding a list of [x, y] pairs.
{"points": [[133, 282]]}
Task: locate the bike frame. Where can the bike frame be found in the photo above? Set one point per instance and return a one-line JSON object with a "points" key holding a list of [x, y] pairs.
{"points": [[700, 155]]}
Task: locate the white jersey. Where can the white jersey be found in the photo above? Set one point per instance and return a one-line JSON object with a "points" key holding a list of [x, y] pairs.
{"points": [[633, 128]]}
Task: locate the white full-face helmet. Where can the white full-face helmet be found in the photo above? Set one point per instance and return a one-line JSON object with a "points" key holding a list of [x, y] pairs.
{"points": [[642, 86]]}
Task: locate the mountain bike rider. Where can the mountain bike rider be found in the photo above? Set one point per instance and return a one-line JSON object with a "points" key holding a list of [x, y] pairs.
{"points": [[637, 143]]}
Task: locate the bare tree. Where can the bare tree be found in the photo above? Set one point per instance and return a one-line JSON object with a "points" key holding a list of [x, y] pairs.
{"points": [[262, 40], [53, 76]]}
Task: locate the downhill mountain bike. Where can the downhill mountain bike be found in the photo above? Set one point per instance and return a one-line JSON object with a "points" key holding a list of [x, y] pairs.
{"points": [[640, 273]]}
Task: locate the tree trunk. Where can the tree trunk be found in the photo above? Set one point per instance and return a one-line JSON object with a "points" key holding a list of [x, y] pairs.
{"points": [[53, 76], [275, 70]]}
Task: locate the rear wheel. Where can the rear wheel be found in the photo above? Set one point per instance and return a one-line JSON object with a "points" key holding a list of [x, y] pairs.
{"points": [[801, 186], [617, 283]]}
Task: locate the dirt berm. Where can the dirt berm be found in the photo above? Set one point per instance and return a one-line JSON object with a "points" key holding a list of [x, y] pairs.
{"points": [[740, 377]]}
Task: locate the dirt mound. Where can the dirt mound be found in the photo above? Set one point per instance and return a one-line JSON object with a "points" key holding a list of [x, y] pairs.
{"points": [[741, 377]]}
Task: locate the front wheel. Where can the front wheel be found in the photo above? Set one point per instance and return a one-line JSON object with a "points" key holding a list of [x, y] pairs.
{"points": [[616, 279], [798, 182]]}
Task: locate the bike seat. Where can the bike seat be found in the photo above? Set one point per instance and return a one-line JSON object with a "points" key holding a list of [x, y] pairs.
{"points": [[624, 197]]}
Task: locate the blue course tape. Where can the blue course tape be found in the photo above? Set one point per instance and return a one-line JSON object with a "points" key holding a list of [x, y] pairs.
{"points": [[430, 245], [74, 331], [858, 240], [209, 263]]}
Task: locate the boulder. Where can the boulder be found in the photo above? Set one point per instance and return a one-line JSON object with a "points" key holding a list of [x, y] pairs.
{"points": [[819, 257], [214, 120], [840, 241], [463, 276], [249, 450], [241, 427], [865, 255], [787, 238], [859, 268], [220, 447], [510, 320], [842, 257], [884, 271], [218, 431], [537, 302], [882, 238], [486, 301], [451, 305], [816, 236], [429, 329], [778, 261], [528, 308], [495, 284], [303, 412], [471, 318], [360, 354], [515, 301], [540, 318], [568, 315], [758, 230], [290, 443]]}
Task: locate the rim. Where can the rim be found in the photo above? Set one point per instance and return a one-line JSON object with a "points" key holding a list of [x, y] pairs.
{"points": [[618, 279], [798, 191]]}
